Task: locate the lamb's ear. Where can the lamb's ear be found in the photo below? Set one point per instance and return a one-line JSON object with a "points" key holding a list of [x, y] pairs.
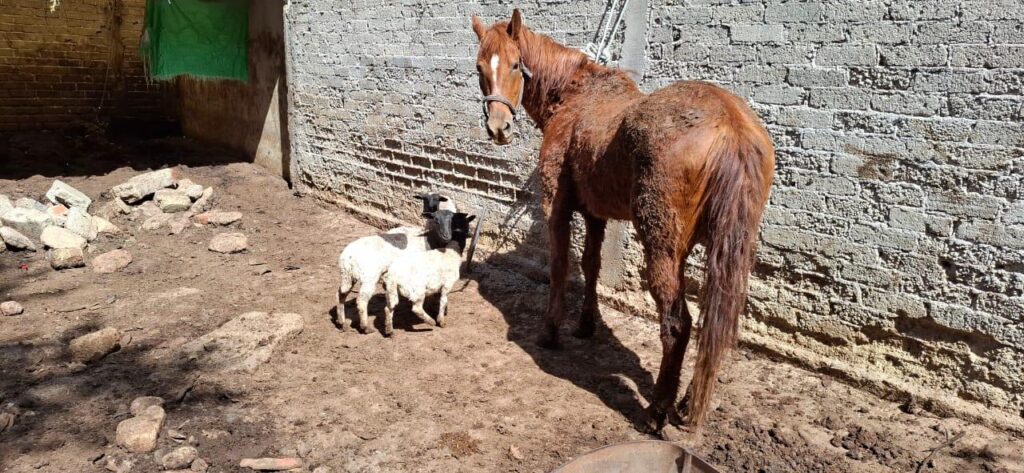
{"points": [[418, 196], [478, 27], [442, 199], [516, 25], [470, 218], [427, 215]]}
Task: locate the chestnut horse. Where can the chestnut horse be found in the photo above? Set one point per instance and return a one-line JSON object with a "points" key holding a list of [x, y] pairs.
{"points": [[687, 163]]}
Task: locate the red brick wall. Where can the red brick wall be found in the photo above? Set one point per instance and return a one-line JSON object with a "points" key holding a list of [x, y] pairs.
{"points": [[75, 65]]}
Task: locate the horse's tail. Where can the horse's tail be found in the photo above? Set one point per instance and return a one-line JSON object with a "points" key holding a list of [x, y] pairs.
{"points": [[740, 167]]}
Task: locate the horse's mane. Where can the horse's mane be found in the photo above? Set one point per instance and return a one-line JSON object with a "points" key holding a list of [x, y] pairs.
{"points": [[554, 67]]}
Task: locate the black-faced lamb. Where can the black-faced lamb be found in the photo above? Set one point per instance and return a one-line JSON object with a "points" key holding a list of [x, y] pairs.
{"points": [[366, 259], [418, 275]]}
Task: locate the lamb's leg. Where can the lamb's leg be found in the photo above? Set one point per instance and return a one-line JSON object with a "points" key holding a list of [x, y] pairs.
{"points": [[362, 301], [442, 308], [343, 290], [417, 308], [389, 310]]}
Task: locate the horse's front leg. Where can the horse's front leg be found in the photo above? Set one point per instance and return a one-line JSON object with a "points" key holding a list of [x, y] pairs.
{"points": [[559, 230], [591, 268]]}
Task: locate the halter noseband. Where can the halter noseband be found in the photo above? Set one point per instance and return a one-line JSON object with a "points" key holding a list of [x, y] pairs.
{"points": [[508, 103]]}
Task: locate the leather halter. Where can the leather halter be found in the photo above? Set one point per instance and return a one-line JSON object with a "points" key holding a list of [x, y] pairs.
{"points": [[508, 103]]}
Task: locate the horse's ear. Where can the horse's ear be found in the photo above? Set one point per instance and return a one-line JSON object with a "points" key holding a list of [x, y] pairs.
{"points": [[516, 25], [478, 27]]}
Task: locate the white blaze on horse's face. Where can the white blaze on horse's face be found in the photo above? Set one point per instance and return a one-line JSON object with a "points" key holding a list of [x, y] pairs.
{"points": [[501, 78], [495, 61]]}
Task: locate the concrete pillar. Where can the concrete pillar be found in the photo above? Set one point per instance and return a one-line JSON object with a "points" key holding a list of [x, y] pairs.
{"points": [[634, 60]]}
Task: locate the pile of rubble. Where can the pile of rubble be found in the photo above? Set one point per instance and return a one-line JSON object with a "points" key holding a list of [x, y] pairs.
{"points": [[159, 199], [64, 226]]}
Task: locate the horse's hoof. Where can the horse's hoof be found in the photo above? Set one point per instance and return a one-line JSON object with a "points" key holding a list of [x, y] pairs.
{"points": [[548, 340], [441, 323], [364, 330], [388, 333], [584, 331], [654, 421]]}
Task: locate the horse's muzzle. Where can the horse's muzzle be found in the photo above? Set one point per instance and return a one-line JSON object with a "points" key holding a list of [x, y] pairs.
{"points": [[500, 122], [502, 135]]}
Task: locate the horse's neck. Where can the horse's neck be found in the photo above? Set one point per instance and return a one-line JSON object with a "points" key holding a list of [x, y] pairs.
{"points": [[560, 74]]}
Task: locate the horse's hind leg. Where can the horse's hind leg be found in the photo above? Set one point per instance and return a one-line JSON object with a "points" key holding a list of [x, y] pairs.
{"points": [[665, 251], [665, 284], [591, 268]]}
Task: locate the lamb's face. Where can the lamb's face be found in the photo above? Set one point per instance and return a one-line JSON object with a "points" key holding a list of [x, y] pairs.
{"points": [[431, 202], [460, 227], [438, 227]]}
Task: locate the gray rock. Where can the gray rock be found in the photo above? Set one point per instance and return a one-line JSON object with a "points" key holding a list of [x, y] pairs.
{"points": [[5, 204], [14, 240], [119, 464], [94, 346], [205, 201], [242, 343], [179, 224], [61, 193], [177, 458], [80, 222], [28, 222], [199, 466], [113, 208], [157, 221], [56, 237], [140, 404], [172, 201], [103, 225], [27, 203], [145, 185], [10, 308], [111, 261], [139, 434], [229, 243], [192, 190], [66, 258]]}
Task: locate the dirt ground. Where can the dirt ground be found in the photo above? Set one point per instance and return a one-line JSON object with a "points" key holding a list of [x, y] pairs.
{"points": [[475, 396]]}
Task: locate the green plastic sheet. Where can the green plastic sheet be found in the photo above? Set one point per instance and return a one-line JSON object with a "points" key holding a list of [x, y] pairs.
{"points": [[200, 38]]}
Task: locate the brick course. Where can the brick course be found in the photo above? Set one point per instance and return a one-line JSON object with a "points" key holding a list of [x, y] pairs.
{"points": [[892, 248], [60, 69]]}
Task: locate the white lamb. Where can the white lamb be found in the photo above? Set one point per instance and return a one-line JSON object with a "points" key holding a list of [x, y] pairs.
{"points": [[418, 275], [366, 259]]}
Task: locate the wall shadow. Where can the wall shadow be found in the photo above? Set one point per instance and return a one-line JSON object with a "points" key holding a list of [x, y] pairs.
{"points": [[90, 152]]}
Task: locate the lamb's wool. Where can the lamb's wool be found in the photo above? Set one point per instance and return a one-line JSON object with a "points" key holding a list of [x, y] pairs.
{"points": [[418, 275], [363, 262]]}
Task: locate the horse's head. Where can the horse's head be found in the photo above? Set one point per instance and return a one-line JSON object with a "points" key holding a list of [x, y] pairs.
{"points": [[502, 74]]}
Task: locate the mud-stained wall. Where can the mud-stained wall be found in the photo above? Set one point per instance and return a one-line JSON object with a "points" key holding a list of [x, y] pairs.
{"points": [[892, 252], [74, 66], [247, 117]]}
